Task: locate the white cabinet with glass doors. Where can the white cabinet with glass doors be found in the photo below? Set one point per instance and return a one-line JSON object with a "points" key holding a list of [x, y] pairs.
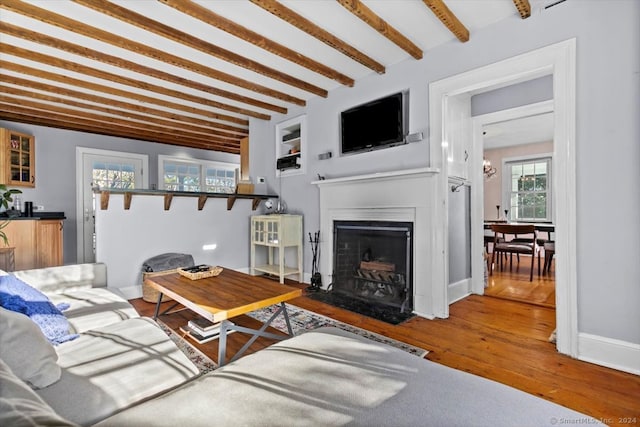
{"points": [[275, 234]]}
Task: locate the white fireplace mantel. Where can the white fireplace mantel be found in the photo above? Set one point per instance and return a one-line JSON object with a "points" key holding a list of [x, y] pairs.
{"points": [[407, 196], [378, 175]]}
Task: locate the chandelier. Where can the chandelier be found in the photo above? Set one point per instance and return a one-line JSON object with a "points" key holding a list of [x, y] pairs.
{"points": [[488, 170]]}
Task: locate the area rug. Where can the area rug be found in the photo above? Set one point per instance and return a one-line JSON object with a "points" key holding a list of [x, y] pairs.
{"points": [[198, 358], [301, 321], [304, 320]]}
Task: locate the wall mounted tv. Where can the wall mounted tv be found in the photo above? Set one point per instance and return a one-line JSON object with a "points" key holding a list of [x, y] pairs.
{"points": [[373, 125]]}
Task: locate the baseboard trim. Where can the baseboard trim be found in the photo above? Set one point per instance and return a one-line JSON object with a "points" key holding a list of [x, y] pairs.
{"points": [[459, 290], [609, 352]]}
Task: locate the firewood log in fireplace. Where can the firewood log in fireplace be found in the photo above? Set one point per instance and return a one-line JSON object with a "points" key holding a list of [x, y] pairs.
{"points": [[377, 266]]}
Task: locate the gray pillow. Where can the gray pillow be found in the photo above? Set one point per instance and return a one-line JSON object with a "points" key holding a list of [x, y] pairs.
{"points": [[20, 406], [24, 348]]}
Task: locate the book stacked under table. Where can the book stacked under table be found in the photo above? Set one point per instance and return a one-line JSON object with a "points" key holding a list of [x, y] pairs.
{"points": [[202, 330]]}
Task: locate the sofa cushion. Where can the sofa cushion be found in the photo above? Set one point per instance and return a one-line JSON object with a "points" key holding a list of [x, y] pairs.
{"points": [[26, 350], [91, 308], [61, 278], [18, 296], [21, 407], [112, 367], [330, 377]]}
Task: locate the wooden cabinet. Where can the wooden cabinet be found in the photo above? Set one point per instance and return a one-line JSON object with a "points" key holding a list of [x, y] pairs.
{"points": [[17, 159], [49, 242], [37, 242], [276, 233], [22, 237]]}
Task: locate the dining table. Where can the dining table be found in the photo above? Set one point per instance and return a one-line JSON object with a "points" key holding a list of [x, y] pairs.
{"points": [[545, 227], [541, 227]]}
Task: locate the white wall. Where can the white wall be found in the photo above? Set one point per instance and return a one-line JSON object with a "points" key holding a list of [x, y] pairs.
{"points": [[607, 130], [493, 187], [126, 238]]}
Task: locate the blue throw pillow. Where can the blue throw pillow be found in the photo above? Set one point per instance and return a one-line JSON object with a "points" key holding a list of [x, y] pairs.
{"points": [[16, 295]]}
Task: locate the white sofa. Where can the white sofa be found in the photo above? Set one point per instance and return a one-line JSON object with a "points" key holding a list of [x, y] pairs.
{"points": [[124, 371]]}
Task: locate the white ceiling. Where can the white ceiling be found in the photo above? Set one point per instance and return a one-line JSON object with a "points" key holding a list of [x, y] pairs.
{"points": [[525, 130]]}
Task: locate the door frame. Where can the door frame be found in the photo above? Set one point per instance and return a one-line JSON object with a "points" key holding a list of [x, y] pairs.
{"points": [[80, 186], [559, 61]]}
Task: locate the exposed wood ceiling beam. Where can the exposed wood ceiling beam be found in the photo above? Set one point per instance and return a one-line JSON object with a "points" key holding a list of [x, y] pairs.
{"points": [[524, 8], [314, 30], [193, 72], [451, 21], [171, 33], [140, 69], [77, 27], [209, 17], [190, 128], [144, 100], [48, 118], [72, 66], [380, 25], [109, 121]]}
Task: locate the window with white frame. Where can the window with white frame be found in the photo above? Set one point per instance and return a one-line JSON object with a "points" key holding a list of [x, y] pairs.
{"points": [[181, 174], [527, 185], [113, 174]]}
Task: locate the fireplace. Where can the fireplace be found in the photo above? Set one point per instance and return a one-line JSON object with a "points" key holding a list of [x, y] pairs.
{"points": [[373, 263], [388, 199]]}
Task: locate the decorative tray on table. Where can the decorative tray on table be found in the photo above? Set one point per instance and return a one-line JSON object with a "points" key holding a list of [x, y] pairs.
{"points": [[199, 271]]}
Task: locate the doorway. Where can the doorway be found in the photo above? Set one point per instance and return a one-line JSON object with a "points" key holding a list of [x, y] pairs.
{"points": [[517, 147], [559, 61], [102, 169]]}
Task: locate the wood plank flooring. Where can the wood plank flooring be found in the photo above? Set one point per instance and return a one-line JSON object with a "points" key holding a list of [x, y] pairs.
{"points": [[513, 284], [506, 341]]}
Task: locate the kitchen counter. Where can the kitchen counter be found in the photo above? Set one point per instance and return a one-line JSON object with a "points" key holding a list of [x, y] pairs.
{"points": [[37, 215]]}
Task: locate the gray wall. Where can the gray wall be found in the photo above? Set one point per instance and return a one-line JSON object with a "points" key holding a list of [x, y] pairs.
{"points": [[529, 92], [459, 234], [607, 152], [56, 168]]}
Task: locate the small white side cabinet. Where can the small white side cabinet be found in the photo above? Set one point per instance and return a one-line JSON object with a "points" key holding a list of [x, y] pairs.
{"points": [[275, 233]]}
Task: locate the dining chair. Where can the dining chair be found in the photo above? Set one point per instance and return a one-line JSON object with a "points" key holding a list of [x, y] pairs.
{"points": [[549, 252], [524, 242]]}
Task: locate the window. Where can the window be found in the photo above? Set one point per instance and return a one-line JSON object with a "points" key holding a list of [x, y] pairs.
{"points": [[179, 174], [113, 174], [528, 190]]}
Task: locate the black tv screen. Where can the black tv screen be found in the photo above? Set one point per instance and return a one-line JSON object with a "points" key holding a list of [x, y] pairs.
{"points": [[373, 125]]}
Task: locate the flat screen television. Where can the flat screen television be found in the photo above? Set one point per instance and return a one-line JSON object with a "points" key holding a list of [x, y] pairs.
{"points": [[373, 125]]}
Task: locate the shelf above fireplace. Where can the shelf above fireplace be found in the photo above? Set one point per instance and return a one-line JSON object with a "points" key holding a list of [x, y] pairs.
{"points": [[378, 175]]}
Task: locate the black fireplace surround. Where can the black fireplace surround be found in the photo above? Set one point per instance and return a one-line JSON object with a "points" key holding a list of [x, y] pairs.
{"points": [[373, 269]]}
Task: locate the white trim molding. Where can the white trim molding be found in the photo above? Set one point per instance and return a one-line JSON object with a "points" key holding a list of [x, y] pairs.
{"points": [[612, 353], [459, 290], [558, 60]]}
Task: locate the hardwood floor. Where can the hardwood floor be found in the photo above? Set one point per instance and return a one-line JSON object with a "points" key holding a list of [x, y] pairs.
{"points": [[503, 340], [513, 284]]}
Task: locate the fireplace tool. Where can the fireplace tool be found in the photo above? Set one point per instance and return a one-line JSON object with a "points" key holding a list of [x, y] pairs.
{"points": [[316, 279]]}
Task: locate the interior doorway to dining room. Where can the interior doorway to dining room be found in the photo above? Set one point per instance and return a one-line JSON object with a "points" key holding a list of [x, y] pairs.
{"points": [[517, 147]]}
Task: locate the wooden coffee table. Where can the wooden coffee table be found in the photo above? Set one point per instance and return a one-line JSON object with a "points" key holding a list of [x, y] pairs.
{"points": [[223, 297]]}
